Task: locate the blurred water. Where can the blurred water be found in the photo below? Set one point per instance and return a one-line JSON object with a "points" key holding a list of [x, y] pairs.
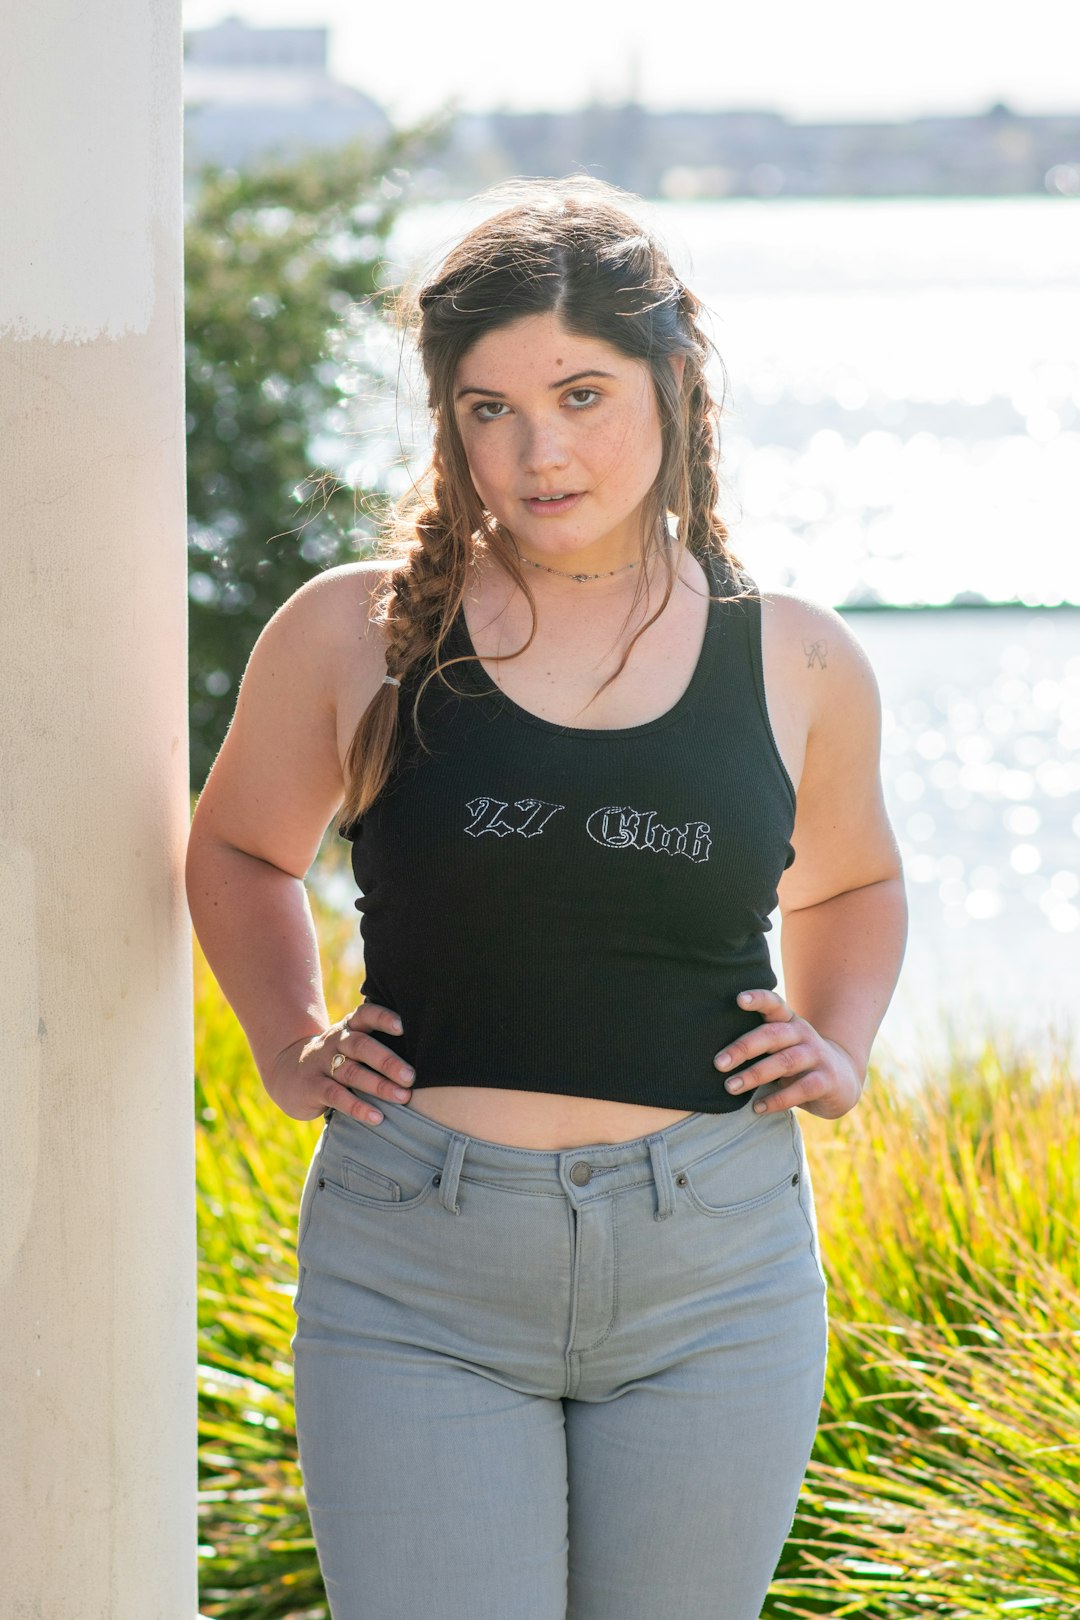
{"points": [[904, 425], [981, 774], [906, 393]]}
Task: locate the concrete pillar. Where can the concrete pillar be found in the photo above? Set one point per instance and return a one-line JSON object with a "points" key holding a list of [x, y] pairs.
{"points": [[97, 1263]]}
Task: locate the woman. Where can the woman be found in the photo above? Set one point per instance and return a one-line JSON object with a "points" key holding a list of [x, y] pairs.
{"points": [[561, 1329]]}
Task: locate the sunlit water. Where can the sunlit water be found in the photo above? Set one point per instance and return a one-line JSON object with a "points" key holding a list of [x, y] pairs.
{"points": [[981, 770], [903, 425]]}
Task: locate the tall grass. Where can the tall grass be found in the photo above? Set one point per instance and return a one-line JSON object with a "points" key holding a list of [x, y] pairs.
{"points": [[971, 1507], [946, 1474], [915, 1191]]}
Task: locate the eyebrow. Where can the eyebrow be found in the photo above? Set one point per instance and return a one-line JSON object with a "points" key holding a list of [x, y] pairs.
{"points": [[561, 382]]}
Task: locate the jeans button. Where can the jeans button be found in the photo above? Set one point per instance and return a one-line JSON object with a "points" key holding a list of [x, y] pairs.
{"points": [[581, 1173]]}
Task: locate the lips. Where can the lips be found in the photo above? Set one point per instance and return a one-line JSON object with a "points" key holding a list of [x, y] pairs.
{"points": [[549, 505]]}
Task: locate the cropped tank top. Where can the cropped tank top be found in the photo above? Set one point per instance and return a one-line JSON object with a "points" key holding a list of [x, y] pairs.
{"points": [[550, 908]]}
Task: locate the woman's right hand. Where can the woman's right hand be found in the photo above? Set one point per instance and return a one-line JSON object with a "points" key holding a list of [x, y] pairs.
{"points": [[300, 1081]]}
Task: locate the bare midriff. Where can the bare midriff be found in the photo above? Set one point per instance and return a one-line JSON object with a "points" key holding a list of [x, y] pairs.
{"points": [[539, 1119]]}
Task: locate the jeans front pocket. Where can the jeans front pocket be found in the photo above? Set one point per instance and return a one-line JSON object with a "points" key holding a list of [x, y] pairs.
{"points": [[360, 1178], [365, 1168], [753, 1169]]}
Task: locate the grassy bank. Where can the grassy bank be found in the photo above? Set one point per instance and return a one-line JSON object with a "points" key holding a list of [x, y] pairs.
{"points": [[946, 1475]]}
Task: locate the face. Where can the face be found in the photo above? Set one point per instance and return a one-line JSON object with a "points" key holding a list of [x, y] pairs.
{"points": [[544, 412]]}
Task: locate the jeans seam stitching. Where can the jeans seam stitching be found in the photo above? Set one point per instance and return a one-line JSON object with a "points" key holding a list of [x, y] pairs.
{"points": [[803, 1172], [588, 1349]]}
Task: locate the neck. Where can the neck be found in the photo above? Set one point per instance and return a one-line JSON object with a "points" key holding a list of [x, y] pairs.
{"points": [[562, 591], [582, 570]]}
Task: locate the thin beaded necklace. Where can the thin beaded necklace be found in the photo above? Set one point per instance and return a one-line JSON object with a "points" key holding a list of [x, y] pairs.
{"points": [[581, 578], [564, 574]]}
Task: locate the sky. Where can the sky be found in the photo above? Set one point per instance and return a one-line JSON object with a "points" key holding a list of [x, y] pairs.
{"points": [[834, 59]]}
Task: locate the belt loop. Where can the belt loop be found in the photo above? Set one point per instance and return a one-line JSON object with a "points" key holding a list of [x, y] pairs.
{"points": [[665, 1186], [451, 1172]]}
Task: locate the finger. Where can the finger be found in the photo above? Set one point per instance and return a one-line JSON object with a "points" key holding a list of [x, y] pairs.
{"points": [[767, 1003], [343, 1102], [763, 1038], [361, 1078], [806, 1089], [786, 1064], [368, 1015], [365, 1049]]}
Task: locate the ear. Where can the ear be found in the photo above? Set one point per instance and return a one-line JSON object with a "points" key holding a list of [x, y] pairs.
{"points": [[678, 366]]}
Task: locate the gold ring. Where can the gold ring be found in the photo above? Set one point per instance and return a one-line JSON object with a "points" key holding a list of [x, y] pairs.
{"points": [[336, 1061]]}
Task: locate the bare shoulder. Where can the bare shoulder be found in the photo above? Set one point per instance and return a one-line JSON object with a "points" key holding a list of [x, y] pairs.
{"points": [[278, 777], [814, 668], [805, 635], [333, 609], [842, 835]]}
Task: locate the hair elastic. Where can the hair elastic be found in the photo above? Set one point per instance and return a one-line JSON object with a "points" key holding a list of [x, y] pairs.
{"points": [[390, 680]]}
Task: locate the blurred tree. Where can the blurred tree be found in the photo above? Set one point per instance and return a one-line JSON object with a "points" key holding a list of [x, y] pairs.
{"points": [[283, 299]]}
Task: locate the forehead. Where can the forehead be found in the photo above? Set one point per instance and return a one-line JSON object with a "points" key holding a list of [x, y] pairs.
{"points": [[537, 348]]}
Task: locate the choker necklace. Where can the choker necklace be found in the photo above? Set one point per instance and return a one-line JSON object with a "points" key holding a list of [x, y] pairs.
{"points": [[581, 578]]}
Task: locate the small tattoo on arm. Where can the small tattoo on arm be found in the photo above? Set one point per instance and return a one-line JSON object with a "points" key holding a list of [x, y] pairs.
{"points": [[816, 653]]}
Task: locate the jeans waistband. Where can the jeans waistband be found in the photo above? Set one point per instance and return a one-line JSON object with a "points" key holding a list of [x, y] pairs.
{"points": [[584, 1174]]}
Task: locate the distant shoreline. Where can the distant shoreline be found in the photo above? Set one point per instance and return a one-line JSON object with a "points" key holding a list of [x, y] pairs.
{"points": [[957, 607]]}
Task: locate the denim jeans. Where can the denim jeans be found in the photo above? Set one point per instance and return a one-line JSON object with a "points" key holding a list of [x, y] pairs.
{"points": [[569, 1385]]}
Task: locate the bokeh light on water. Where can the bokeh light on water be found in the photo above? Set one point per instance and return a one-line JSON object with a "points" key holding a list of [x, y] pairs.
{"points": [[981, 772], [905, 415]]}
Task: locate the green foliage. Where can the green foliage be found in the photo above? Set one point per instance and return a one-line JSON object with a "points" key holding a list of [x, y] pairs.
{"points": [[970, 1508], [946, 1475], [915, 1189], [940, 1482], [284, 306], [257, 1557]]}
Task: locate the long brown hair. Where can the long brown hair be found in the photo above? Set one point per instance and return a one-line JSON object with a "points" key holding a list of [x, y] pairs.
{"points": [[567, 247]]}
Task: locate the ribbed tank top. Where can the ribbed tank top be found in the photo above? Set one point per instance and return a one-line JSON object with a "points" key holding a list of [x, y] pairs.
{"points": [[552, 908]]}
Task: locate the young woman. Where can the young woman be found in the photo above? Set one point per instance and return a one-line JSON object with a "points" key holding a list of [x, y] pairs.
{"points": [[561, 1327]]}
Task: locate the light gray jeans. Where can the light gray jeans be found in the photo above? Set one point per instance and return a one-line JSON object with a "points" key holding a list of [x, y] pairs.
{"points": [[573, 1385]]}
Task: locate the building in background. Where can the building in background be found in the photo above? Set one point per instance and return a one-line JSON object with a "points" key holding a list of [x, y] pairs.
{"points": [[721, 152], [251, 93]]}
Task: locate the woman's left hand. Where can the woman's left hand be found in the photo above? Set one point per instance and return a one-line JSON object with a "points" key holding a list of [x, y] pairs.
{"points": [[824, 1077]]}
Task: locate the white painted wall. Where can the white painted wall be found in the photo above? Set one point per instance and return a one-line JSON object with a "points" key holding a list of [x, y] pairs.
{"points": [[97, 1266]]}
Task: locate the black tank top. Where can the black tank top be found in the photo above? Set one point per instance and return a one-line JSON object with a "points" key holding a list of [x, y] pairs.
{"points": [[556, 909]]}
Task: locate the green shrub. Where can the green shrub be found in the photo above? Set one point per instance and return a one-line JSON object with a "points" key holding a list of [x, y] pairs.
{"points": [[949, 1218], [971, 1507]]}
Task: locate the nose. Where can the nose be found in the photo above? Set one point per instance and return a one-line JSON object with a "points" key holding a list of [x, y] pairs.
{"points": [[544, 447]]}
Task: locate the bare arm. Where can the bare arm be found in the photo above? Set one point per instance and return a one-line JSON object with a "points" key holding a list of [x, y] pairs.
{"points": [[255, 927], [841, 962], [256, 830], [842, 900]]}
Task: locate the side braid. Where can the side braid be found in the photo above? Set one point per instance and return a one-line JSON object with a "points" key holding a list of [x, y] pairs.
{"points": [[415, 605], [706, 532]]}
